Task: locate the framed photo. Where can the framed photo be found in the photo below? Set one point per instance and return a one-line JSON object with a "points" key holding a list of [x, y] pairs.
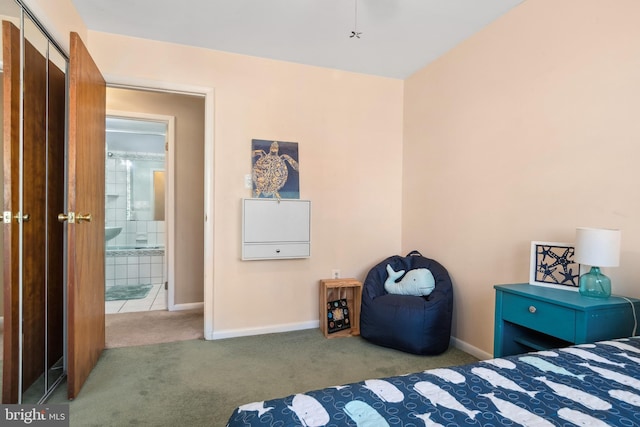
{"points": [[553, 265], [337, 316]]}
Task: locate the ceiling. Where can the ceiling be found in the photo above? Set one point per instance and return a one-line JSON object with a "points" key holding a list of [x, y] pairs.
{"points": [[398, 38]]}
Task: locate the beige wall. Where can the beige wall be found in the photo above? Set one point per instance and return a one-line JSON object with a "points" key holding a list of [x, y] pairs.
{"points": [[468, 160], [59, 17], [349, 130], [523, 132], [189, 169]]}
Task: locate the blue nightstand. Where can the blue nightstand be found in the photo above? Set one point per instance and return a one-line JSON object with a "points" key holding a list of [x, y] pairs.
{"points": [[530, 318]]}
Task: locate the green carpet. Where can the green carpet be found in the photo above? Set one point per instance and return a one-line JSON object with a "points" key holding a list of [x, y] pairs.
{"points": [[125, 292], [199, 383]]}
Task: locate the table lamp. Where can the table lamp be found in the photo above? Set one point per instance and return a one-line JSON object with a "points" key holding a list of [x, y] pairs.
{"points": [[597, 247]]}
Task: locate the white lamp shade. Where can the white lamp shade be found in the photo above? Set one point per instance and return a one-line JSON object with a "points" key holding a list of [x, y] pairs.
{"points": [[597, 247]]}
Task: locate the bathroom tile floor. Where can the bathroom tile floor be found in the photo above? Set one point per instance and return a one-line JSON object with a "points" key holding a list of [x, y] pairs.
{"points": [[156, 300]]}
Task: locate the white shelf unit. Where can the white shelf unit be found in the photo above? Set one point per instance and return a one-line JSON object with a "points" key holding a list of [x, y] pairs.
{"points": [[276, 229]]}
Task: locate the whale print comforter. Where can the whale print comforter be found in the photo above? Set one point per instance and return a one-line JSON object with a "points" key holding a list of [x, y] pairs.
{"points": [[585, 385]]}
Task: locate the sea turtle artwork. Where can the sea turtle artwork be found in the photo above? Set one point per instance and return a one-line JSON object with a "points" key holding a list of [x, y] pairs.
{"points": [[270, 171]]}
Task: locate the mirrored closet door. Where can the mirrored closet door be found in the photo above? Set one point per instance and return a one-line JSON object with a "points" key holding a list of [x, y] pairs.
{"points": [[34, 113]]}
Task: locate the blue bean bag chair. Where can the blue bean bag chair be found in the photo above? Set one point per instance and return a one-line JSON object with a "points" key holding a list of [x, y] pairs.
{"points": [[413, 324]]}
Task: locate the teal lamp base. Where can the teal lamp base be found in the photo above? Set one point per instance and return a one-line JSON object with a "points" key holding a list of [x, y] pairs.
{"points": [[595, 284]]}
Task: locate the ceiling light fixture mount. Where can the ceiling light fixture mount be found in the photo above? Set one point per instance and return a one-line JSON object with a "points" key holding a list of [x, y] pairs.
{"points": [[355, 33]]}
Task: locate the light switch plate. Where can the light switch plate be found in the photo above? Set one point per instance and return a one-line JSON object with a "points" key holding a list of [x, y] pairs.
{"points": [[248, 182]]}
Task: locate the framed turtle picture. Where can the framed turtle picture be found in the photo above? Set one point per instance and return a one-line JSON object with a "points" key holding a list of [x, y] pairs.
{"points": [[553, 265], [275, 169]]}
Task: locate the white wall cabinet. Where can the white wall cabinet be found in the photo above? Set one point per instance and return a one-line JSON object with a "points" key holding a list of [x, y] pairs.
{"points": [[276, 229]]}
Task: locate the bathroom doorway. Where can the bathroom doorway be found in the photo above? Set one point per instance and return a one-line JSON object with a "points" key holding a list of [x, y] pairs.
{"points": [[183, 114], [138, 161]]}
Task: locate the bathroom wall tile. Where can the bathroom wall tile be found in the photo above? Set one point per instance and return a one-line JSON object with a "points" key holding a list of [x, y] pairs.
{"points": [[121, 272], [133, 271], [121, 202], [144, 270], [110, 271], [157, 270], [121, 177]]}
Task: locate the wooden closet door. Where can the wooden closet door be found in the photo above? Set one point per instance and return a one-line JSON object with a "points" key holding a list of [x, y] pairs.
{"points": [[43, 197], [85, 240]]}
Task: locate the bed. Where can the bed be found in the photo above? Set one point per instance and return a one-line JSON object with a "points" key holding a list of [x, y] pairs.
{"points": [[586, 385]]}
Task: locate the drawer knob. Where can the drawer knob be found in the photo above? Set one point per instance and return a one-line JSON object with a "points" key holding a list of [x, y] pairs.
{"points": [[277, 251], [532, 309]]}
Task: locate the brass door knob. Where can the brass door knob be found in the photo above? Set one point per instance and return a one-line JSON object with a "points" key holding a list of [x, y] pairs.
{"points": [[22, 218], [70, 217], [83, 217]]}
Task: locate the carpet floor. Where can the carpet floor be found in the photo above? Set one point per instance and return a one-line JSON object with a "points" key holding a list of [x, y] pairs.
{"points": [[152, 327], [199, 383]]}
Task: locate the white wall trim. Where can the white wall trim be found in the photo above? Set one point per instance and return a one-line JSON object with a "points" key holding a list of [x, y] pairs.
{"points": [[472, 350], [187, 306], [209, 217], [208, 214], [313, 324], [286, 327]]}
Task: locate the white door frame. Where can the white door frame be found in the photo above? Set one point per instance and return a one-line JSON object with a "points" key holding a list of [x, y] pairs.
{"points": [[170, 224], [208, 214]]}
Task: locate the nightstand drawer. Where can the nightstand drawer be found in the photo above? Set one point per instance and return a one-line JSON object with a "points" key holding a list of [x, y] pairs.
{"points": [[551, 319]]}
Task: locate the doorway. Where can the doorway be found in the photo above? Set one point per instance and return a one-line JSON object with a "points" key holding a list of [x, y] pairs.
{"points": [[185, 181], [138, 191]]}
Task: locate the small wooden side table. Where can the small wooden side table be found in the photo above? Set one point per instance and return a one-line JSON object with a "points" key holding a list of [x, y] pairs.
{"points": [[335, 290]]}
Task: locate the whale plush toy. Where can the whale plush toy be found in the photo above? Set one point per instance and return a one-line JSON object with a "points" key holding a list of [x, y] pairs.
{"points": [[418, 282]]}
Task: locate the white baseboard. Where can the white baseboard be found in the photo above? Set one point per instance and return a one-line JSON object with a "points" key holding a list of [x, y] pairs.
{"points": [[472, 350], [288, 327], [188, 306]]}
